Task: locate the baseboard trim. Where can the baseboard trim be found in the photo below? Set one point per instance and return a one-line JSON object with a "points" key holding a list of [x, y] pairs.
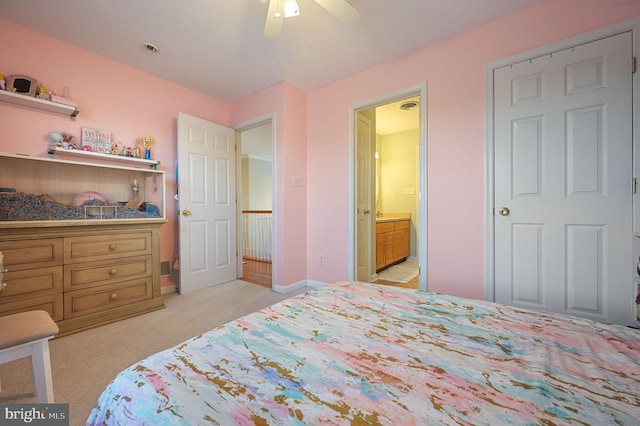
{"points": [[168, 289], [284, 289]]}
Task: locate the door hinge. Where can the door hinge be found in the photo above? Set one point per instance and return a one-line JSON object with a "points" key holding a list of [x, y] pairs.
{"points": [[634, 185], [633, 65]]}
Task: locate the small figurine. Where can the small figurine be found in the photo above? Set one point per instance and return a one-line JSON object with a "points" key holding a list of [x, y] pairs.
{"points": [[63, 140], [41, 92], [146, 141], [114, 148], [139, 148]]}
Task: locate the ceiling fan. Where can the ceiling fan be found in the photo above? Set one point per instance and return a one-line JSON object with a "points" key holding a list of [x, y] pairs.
{"points": [[280, 9]]}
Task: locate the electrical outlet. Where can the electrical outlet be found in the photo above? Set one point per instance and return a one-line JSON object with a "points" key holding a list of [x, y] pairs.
{"points": [[296, 180], [322, 259]]}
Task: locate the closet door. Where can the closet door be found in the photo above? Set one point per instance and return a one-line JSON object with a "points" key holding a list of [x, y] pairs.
{"points": [[563, 170]]}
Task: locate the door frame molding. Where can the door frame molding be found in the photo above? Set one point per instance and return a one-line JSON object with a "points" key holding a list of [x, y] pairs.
{"points": [[489, 166], [239, 128], [415, 90]]}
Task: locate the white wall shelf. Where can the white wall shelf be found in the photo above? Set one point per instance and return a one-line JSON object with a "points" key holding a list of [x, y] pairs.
{"points": [[78, 154], [42, 104]]}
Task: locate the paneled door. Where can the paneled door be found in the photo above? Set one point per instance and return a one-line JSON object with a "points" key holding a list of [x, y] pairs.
{"points": [[364, 202], [207, 192], [563, 174]]}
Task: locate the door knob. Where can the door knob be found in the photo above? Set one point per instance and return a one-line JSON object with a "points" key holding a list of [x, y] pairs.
{"points": [[367, 211], [186, 213], [504, 211]]}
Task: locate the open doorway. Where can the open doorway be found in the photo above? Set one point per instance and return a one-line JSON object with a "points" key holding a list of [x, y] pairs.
{"points": [[256, 204], [389, 177]]}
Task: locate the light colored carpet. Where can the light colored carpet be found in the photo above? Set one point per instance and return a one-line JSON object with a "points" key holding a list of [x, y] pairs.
{"points": [[84, 363], [400, 273]]}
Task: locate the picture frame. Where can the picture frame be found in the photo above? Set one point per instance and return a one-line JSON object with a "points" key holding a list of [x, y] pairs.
{"points": [[98, 140]]}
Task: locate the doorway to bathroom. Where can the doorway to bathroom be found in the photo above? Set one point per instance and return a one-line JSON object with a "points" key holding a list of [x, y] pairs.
{"points": [[389, 197]]}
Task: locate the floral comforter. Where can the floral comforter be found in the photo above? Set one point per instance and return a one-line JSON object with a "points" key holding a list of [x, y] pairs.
{"points": [[356, 353]]}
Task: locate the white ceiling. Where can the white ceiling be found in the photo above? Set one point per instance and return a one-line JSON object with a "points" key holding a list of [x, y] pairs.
{"points": [[390, 118], [217, 47]]}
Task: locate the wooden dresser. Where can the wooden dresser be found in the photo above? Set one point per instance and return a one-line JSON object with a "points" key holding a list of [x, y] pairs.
{"points": [[84, 269], [84, 276]]}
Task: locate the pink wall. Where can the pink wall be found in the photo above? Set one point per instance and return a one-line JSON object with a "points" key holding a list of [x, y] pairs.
{"points": [[288, 106], [130, 103], [454, 72], [111, 96]]}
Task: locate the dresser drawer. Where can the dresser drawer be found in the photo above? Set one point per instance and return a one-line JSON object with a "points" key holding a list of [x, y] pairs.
{"points": [[102, 247], [92, 274], [31, 282], [97, 299], [28, 254], [51, 303]]}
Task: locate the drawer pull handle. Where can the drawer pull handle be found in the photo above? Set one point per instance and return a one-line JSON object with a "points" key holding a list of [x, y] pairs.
{"points": [[3, 270], [114, 296], [2, 286], [113, 247], [113, 271]]}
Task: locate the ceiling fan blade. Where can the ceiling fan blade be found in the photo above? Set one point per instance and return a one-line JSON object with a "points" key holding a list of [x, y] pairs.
{"points": [[341, 9], [273, 24]]}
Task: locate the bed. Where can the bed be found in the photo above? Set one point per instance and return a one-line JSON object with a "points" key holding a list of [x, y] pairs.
{"points": [[357, 353]]}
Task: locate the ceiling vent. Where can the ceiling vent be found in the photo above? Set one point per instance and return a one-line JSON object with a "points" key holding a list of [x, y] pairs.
{"points": [[150, 48], [408, 106]]}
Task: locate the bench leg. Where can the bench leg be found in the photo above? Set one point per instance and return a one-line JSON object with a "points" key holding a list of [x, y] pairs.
{"points": [[41, 371]]}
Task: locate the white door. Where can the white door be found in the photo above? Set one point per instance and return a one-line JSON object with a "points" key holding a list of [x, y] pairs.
{"points": [[364, 205], [207, 219], [563, 170]]}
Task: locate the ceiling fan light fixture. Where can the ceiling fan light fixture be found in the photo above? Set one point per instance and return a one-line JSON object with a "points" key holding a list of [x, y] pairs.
{"points": [[278, 9], [291, 8]]}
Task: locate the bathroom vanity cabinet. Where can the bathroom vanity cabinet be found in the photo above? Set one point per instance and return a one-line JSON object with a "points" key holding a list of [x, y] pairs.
{"points": [[392, 242]]}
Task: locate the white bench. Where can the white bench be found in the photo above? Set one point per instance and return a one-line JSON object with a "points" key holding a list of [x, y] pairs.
{"points": [[27, 334]]}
